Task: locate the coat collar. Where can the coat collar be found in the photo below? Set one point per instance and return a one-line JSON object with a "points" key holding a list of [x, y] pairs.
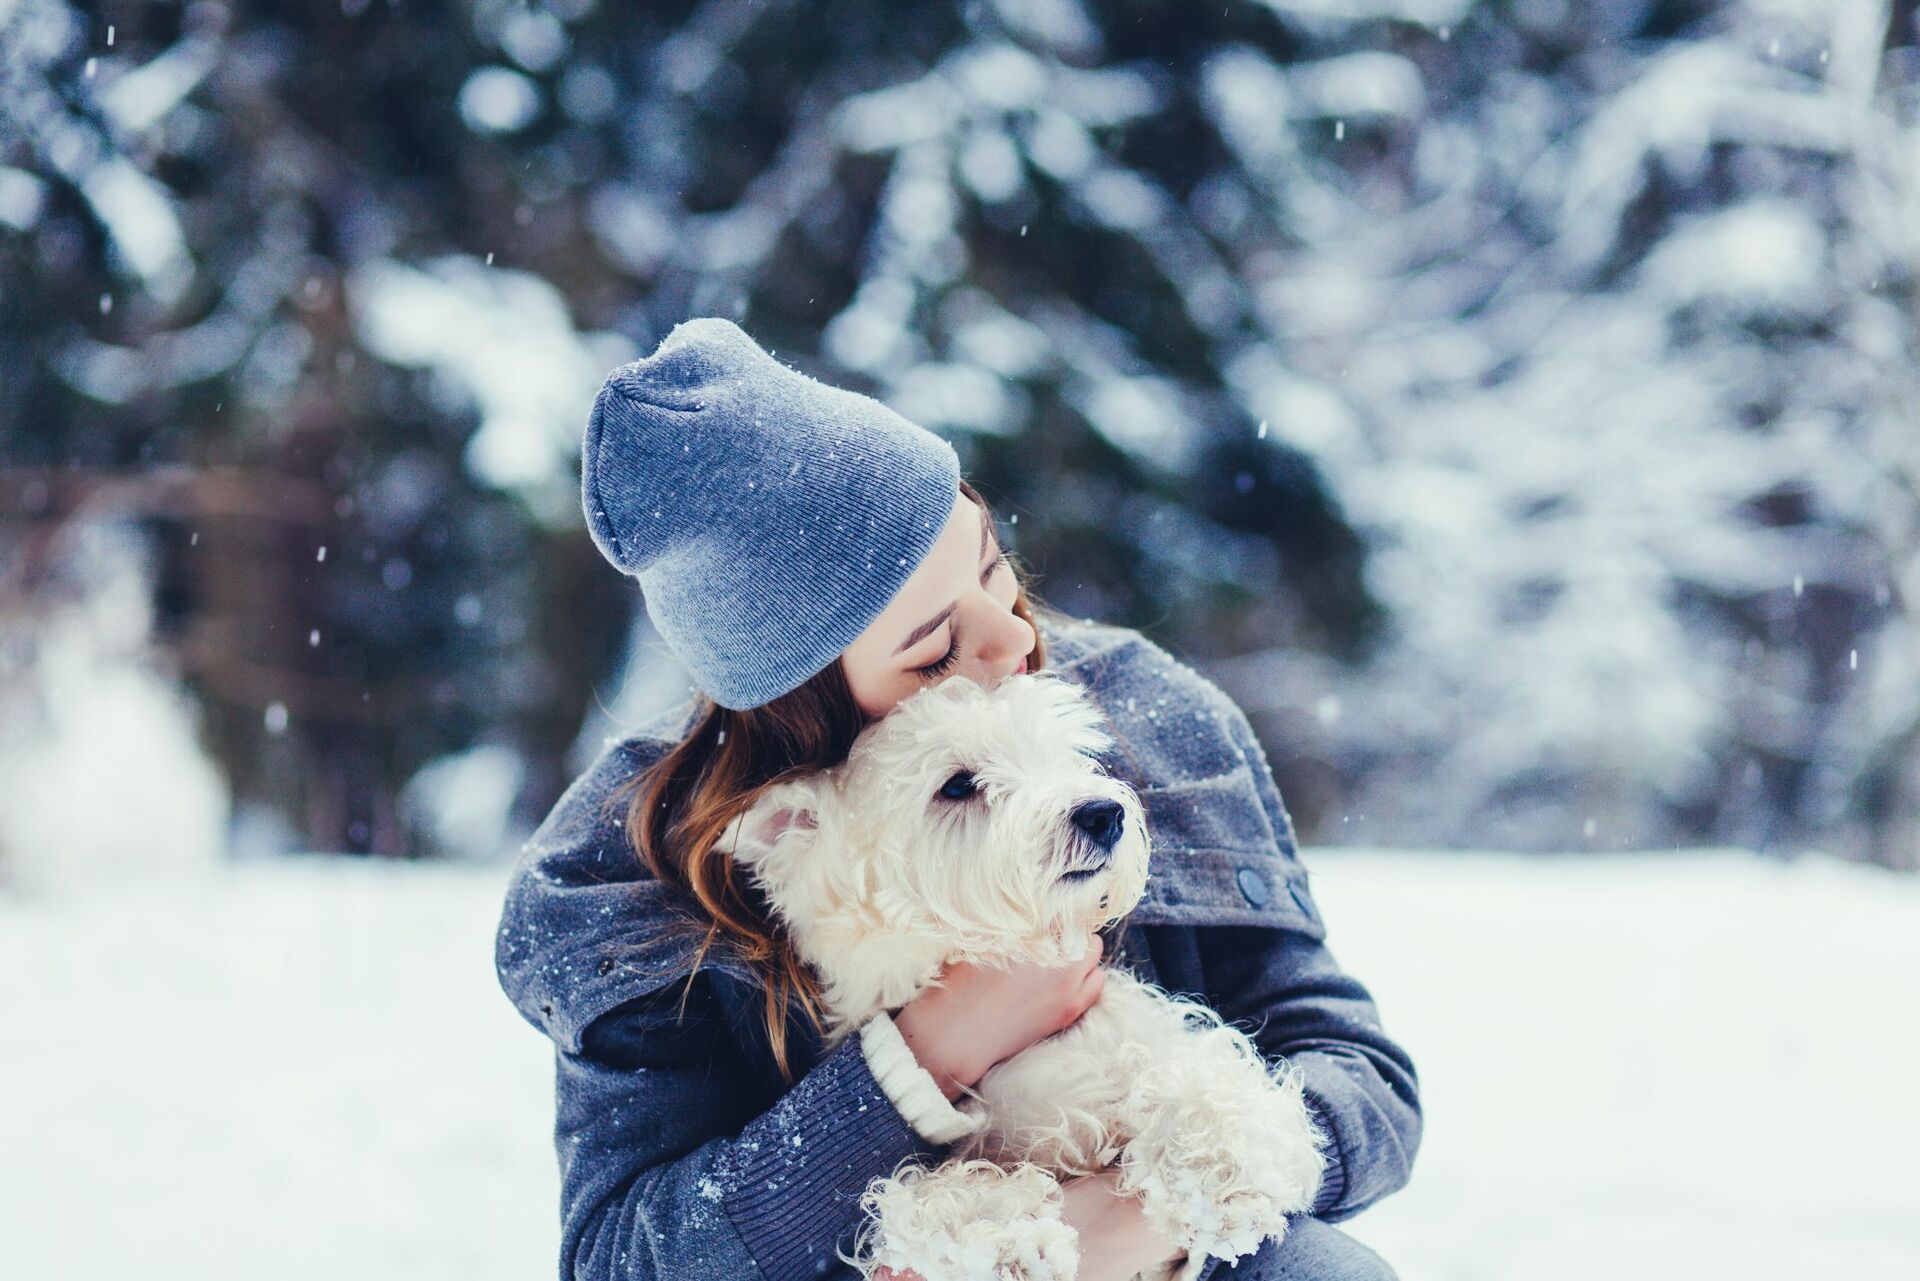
{"points": [[586, 928], [1223, 844]]}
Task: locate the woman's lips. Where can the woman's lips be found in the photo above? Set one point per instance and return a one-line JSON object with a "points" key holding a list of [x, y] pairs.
{"points": [[1021, 670]]}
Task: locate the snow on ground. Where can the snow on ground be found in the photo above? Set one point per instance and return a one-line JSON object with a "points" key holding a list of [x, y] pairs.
{"points": [[290, 1070], [1696, 1065], [1659, 1065]]}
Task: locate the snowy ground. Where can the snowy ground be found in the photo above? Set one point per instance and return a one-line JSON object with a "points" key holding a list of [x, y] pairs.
{"points": [[1690, 1066]]}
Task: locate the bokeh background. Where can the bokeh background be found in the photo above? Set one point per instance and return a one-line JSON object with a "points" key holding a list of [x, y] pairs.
{"points": [[1513, 404]]}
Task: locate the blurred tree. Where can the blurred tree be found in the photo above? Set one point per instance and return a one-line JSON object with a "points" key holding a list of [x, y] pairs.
{"points": [[1511, 404]]}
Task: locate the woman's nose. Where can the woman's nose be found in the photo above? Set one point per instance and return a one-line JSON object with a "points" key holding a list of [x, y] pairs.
{"points": [[1012, 637]]}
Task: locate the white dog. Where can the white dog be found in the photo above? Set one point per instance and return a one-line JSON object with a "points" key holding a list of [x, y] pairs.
{"points": [[974, 824]]}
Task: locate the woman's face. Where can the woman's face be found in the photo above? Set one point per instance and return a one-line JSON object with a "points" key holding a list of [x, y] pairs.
{"points": [[954, 616]]}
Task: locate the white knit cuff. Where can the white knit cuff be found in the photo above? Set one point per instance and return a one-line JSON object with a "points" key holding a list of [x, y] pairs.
{"points": [[911, 1087]]}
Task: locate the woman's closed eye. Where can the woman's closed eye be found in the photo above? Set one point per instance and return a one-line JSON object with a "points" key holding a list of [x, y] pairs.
{"points": [[940, 665]]}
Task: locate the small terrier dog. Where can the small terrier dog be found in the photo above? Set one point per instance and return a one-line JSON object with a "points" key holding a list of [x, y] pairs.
{"points": [[977, 824]]}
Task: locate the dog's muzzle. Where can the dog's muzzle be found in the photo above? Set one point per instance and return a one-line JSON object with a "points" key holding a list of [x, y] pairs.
{"points": [[1101, 823]]}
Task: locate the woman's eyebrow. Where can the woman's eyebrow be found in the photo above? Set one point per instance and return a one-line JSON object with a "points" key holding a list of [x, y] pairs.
{"points": [[926, 629]]}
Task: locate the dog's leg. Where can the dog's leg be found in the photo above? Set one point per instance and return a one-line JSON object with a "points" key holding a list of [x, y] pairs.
{"points": [[1220, 1145], [969, 1221]]}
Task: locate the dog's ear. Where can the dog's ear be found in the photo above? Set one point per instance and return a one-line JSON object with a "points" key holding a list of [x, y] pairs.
{"points": [[779, 810]]}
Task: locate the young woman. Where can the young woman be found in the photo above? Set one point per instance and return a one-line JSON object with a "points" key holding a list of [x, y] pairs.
{"points": [[813, 558]]}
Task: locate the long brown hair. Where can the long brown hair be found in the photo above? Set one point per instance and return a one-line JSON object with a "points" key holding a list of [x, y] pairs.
{"points": [[681, 805]]}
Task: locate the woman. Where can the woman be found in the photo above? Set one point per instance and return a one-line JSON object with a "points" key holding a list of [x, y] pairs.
{"points": [[813, 558]]}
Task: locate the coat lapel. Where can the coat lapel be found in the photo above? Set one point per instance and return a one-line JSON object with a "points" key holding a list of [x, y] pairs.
{"points": [[1216, 858]]}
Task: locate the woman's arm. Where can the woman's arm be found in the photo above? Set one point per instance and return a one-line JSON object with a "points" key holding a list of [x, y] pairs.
{"points": [[665, 1169], [649, 1182], [665, 1176], [1360, 1083]]}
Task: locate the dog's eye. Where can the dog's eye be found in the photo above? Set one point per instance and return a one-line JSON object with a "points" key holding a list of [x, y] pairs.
{"points": [[959, 787]]}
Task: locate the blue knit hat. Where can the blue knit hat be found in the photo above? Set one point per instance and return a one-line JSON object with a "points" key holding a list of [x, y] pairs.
{"points": [[769, 518]]}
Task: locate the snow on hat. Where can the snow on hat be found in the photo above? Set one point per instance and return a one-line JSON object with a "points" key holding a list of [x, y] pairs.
{"points": [[767, 517]]}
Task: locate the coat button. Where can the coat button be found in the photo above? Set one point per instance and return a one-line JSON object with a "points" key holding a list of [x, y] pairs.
{"points": [[1298, 892], [1253, 886]]}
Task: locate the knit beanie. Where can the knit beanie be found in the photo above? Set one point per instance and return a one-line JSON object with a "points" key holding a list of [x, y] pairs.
{"points": [[768, 518]]}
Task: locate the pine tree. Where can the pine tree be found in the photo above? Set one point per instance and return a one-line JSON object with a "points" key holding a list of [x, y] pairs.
{"points": [[1513, 410]]}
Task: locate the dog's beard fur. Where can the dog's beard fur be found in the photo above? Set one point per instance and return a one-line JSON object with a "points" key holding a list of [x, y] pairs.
{"points": [[881, 879]]}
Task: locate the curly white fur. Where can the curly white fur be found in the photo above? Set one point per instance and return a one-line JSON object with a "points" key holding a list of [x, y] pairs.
{"points": [[972, 1219], [950, 834]]}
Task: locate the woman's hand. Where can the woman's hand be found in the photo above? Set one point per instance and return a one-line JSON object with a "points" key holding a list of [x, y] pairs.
{"points": [[1115, 1241], [983, 1014]]}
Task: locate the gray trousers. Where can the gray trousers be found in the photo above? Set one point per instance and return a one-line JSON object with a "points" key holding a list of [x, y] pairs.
{"points": [[1312, 1250]]}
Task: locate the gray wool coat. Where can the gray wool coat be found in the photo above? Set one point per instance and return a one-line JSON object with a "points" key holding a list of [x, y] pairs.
{"points": [[683, 1155]]}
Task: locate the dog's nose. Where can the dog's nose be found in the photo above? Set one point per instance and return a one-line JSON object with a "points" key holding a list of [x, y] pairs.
{"points": [[1102, 821]]}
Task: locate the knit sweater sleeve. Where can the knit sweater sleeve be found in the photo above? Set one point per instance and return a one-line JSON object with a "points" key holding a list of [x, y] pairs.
{"points": [[910, 1086], [663, 1176]]}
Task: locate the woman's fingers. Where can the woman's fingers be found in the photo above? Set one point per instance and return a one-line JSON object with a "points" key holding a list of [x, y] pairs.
{"points": [[1094, 988], [1099, 949]]}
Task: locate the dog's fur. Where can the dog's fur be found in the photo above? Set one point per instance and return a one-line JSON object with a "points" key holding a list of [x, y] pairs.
{"points": [[881, 878]]}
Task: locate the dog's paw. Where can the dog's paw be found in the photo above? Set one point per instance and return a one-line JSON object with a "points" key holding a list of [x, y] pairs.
{"points": [[1221, 1156], [969, 1221]]}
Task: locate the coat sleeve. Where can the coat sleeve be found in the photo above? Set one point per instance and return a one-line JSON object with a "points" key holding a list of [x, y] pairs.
{"points": [[1360, 1085], [664, 1178], [1302, 1007]]}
